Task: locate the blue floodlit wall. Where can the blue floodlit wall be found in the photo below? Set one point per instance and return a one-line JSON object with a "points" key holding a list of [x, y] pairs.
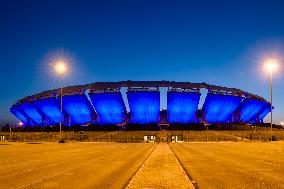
{"points": [[144, 106], [30, 110], [251, 110], [51, 109], [18, 113], [220, 108], [78, 108], [182, 106], [265, 111], [109, 106]]}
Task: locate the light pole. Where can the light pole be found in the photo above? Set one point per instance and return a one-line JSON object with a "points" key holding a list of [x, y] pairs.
{"points": [[271, 104], [60, 124], [271, 65], [61, 69]]}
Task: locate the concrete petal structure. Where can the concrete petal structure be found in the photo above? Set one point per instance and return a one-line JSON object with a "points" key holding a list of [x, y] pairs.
{"points": [[102, 103]]}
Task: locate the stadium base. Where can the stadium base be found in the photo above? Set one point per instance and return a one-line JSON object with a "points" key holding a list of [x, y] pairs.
{"points": [[142, 127]]}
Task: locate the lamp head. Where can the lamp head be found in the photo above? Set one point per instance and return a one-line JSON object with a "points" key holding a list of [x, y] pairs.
{"points": [[271, 64], [60, 67]]}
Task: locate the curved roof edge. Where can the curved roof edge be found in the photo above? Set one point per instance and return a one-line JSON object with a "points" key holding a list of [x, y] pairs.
{"points": [[131, 84]]}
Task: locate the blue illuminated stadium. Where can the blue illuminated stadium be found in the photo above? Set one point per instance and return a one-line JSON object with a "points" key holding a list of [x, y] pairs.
{"points": [[104, 103], [78, 108], [252, 110], [182, 106], [49, 107], [219, 108], [109, 106], [144, 106], [19, 114], [32, 113]]}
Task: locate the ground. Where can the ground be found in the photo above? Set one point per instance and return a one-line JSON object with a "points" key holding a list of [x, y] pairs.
{"points": [[163, 169], [135, 165], [233, 164], [70, 165]]}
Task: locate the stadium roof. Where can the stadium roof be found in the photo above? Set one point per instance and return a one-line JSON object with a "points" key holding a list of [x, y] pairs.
{"points": [[145, 84], [102, 103]]}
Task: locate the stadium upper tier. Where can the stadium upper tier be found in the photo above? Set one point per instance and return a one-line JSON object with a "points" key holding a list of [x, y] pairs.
{"points": [[103, 103]]}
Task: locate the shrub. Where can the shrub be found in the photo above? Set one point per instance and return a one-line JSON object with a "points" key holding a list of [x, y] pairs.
{"points": [[274, 138], [61, 140]]}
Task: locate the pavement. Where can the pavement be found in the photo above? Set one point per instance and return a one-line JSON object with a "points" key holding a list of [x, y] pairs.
{"points": [[234, 165], [70, 165], [209, 165], [161, 170]]}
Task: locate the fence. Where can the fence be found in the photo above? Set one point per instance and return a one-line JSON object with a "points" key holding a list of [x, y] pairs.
{"points": [[138, 136]]}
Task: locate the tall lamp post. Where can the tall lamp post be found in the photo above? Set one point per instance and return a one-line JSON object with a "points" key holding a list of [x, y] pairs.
{"points": [[60, 68], [271, 65]]}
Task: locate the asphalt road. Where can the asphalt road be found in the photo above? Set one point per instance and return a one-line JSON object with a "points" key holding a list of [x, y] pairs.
{"points": [[114, 165], [70, 165], [233, 164]]}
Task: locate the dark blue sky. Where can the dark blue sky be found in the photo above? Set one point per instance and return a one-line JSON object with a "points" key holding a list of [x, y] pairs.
{"points": [[218, 42]]}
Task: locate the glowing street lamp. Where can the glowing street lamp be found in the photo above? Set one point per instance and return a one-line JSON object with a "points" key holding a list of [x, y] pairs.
{"points": [[271, 66], [20, 124], [60, 68]]}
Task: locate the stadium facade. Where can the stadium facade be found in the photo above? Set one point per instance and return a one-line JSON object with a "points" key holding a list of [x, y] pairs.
{"points": [[102, 103]]}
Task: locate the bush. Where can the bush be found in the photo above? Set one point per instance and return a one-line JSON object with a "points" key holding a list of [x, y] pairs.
{"points": [[61, 140], [274, 138]]}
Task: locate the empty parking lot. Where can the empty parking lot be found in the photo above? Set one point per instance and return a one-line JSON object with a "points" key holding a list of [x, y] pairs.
{"points": [[120, 165]]}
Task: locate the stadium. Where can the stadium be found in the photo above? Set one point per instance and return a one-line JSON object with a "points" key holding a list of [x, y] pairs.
{"points": [[102, 103]]}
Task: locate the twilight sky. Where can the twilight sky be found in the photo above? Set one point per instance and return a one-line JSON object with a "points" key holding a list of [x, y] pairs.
{"points": [[218, 42]]}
